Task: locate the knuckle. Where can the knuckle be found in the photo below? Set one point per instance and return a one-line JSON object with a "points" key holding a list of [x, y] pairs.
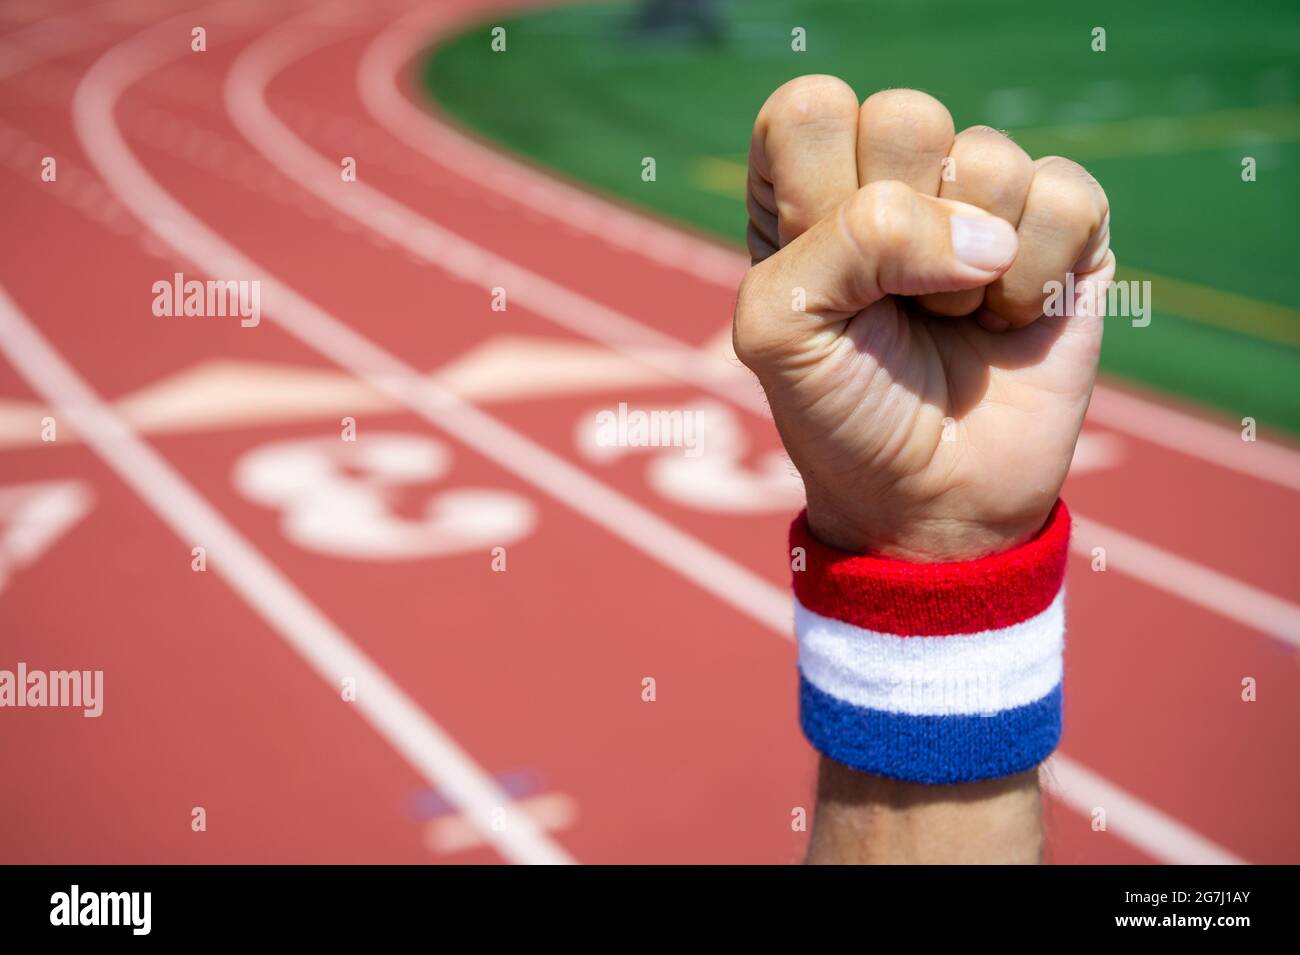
{"points": [[976, 140], [1067, 193], [985, 150], [984, 170], [881, 214], [907, 114], [983, 132], [813, 102]]}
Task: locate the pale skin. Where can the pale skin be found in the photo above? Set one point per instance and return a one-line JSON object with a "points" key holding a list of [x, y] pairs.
{"points": [[894, 316]]}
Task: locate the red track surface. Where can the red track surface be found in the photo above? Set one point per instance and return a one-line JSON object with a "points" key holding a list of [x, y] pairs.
{"points": [[538, 668]]}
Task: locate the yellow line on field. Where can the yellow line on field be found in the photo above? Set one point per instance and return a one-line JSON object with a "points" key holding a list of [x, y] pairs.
{"points": [[1227, 310], [723, 176], [1156, 135]]}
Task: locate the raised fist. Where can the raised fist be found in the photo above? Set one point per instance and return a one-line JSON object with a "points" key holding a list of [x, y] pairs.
{"points": [[894, 316]]}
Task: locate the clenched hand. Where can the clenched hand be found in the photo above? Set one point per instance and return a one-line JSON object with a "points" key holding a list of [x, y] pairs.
{"points": [[894, 316]]}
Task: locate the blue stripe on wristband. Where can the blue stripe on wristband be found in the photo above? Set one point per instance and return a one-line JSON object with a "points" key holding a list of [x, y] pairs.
{"points": [[931, 749]]}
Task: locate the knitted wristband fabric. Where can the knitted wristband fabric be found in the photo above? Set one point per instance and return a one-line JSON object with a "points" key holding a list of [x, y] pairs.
{"points": [[933, 673]]}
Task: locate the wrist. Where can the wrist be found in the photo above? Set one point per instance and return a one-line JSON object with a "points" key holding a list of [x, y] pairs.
{"points": [[933, 673], [921, 540]]}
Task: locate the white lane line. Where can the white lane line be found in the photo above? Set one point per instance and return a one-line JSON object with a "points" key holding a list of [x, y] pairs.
{"points": [[390, 53], [388, 56], [1216, 592], [321, 331], [1196, 438], [248, 110], [1129, 817], [439, 246], [246, 84], [325, 648]]}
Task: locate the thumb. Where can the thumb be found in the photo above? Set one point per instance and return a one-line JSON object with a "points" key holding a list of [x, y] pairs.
{"points": [[885, 240]]}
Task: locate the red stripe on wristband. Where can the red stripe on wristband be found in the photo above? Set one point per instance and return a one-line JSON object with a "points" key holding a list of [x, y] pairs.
{"points": [[931, 600]]}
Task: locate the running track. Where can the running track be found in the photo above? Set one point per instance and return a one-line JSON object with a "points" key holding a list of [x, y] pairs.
{"points": [[497, 715]]}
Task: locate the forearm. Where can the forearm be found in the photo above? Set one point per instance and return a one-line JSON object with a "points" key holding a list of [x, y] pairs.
{"points": [[866, 819]]}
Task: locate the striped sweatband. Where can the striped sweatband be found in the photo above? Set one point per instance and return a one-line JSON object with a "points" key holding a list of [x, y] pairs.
{"points": [[932, 673]]}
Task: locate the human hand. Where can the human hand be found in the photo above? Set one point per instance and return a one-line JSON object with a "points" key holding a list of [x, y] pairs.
{"points": [[894, 316]]}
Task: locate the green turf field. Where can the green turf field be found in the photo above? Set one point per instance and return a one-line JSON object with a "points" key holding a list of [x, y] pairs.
{"points": [[1163, 118]]}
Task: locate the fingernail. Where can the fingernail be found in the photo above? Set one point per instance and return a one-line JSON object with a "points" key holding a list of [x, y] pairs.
{"points": [[983, 242]]}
